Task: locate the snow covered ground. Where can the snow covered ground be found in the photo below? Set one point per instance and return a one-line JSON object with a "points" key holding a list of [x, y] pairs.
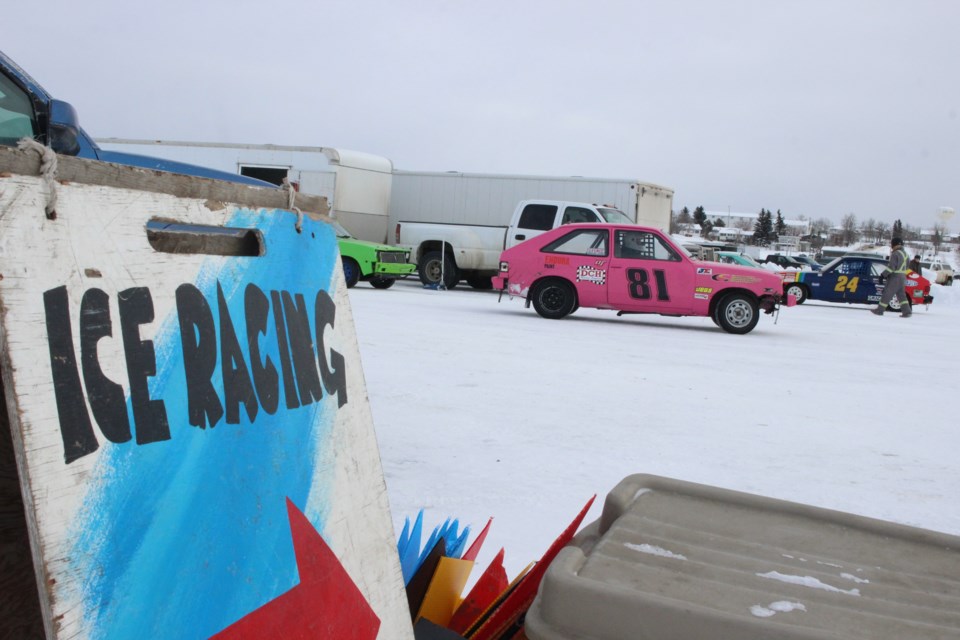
{"points": [[484, 409]]}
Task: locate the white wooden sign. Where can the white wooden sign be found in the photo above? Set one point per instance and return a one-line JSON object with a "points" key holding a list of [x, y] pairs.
{"points": [[192, 432]]}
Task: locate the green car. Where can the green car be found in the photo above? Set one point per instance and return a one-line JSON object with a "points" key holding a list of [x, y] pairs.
{"points": [[378, 264], [732, 257]]}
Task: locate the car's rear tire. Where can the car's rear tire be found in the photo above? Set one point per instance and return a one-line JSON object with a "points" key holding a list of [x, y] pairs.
{"points": [[553, 298], [737, 313], [798, 290], [432, 264], [379, 282], [351, 272]]}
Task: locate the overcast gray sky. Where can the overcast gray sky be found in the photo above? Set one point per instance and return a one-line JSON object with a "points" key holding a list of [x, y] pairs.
{"points": [[818, 108]]}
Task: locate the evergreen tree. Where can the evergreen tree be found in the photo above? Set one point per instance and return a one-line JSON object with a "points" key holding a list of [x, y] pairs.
{"points": [[763, 228], [897, 229], [759, 236], [781, 226], [684, 217], [699, 215]]}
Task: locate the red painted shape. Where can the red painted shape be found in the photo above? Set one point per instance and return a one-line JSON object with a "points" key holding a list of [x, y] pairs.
{"points": [[474, 549], [506, 617], [492, 582], [326, 603]]}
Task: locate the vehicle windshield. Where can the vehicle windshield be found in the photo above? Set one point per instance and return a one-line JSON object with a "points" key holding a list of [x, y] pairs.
{"points": [[341, 232], [614, 215], [747, 260], [830, 265]]}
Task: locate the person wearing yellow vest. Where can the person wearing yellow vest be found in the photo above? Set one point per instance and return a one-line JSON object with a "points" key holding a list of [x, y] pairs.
{"points": [[895, 273]]}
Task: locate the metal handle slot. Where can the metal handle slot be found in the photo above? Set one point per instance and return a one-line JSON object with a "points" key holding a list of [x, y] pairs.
{"points": [[169, 236]]}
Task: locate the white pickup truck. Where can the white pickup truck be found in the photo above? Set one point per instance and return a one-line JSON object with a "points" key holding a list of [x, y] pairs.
{"points": [[446, 253]]}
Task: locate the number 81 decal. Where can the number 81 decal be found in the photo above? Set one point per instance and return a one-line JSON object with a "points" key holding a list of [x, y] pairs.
{"points": [[846, 283], [639, 281]]}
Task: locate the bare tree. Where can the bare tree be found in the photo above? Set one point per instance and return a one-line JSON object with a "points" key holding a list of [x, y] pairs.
{"points": [[939, 234], [868, 229], [883, 231], [848, 226], [820, 226]]}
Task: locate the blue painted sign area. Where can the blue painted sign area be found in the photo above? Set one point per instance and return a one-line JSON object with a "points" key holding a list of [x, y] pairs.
{"points": [[185, 419]]}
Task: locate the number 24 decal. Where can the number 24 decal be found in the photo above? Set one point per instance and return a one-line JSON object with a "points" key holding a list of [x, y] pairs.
{"points": [[845, 283], [639, 280]]}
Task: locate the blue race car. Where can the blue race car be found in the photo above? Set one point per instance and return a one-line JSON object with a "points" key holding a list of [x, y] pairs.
{"points": [[851, 279]]}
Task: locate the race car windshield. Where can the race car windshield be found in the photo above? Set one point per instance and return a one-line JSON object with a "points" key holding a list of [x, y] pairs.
{"points": [[614, 215]]}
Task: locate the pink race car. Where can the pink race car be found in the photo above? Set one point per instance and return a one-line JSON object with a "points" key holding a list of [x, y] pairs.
{"points": [[633, 270]]}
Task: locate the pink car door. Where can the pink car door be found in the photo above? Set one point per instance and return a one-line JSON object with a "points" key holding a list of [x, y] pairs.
{"points": [[649, 274]]}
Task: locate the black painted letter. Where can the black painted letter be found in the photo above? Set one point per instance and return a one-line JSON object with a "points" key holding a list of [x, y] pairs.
{"points": [[289, 384], [237, 386], [149, 416], [106, 396], [265, 377], [75, 427], [198, 337], [335, 381]]}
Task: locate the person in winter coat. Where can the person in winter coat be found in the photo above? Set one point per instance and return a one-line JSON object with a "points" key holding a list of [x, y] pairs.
{"points": [[915, 265], [895, 274]]}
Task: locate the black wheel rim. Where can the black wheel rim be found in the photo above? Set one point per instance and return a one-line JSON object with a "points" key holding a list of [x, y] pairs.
{"points": [[553, 298]]}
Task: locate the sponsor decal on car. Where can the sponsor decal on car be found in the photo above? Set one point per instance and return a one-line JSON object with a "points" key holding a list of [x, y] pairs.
{"points": [[551, 260], [701, 296], [704, 271], [726, 277], [587, 273], [704, 290]]}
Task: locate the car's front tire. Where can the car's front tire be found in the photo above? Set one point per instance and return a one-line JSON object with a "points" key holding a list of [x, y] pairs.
{"points": [[351, 272], [553, 298], [379, 282], [799, 292], [737, 313]]}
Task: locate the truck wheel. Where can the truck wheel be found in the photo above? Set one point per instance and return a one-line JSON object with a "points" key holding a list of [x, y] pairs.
{"points": [[553, 298], [430, 267], [799, 292], [351, 272], [737, 313], [480, 283], [378, 282]]}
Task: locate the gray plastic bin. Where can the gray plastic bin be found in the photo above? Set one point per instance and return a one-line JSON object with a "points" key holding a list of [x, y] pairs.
{"points": [[674, 560]]}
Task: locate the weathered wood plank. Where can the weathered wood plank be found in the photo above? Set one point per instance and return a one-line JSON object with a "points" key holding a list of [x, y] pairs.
{"points": [[82, 171]]}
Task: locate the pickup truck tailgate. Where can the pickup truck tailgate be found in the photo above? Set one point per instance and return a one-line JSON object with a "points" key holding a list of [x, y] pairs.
{"points": [[672, 560]]}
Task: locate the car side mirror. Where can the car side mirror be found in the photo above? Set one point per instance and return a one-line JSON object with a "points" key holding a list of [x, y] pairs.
{"points": [[63, 132]]}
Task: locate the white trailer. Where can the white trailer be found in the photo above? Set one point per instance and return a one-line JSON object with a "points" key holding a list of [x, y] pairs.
{"points": [[486, 199], [357, 184]]}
